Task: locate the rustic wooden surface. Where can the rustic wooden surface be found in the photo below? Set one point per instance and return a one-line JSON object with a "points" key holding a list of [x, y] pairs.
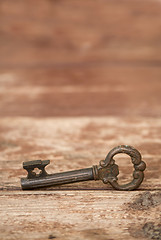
{"points": [[78, 78], [89, 210]]}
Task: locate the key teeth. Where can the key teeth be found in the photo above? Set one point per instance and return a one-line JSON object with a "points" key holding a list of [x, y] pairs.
{"points": [[31, 165]]}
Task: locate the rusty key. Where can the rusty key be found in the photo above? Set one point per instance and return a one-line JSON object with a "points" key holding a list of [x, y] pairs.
{"points": [[107, 171]]}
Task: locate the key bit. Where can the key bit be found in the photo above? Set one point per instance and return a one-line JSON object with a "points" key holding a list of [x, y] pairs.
{"points": [[31, 165], [107, 171]]}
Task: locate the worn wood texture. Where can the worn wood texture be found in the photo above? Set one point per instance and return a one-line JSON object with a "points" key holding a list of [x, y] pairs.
{"points": [[76, 79], [73, 143], [89, 210], [78, 214]]}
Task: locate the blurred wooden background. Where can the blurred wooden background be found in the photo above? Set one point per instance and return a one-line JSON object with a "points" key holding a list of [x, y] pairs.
{"points": [[76, 79], [74, 58]]}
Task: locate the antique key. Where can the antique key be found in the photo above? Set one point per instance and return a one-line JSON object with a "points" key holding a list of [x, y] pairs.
{"points": [[107, 171]]}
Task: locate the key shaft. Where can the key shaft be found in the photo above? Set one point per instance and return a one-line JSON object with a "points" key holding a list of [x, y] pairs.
{"points": [[58, 179]]}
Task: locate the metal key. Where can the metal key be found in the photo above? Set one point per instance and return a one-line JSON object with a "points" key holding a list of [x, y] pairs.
{"points": [[107, 171]]}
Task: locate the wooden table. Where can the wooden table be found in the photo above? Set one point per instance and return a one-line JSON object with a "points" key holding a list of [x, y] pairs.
{"points": [[78, 78]]}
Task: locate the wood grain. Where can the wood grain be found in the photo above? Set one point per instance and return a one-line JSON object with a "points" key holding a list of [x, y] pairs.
{"points": [[74, 215]]}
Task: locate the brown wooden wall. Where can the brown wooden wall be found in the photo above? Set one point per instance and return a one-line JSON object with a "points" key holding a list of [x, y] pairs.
{"points": [[74, 58]]}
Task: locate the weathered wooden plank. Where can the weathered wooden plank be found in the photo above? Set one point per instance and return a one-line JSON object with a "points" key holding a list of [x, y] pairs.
{"points": [[89, 91], [67, 212], [61, 32], [74, 143], [79, 215]]}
